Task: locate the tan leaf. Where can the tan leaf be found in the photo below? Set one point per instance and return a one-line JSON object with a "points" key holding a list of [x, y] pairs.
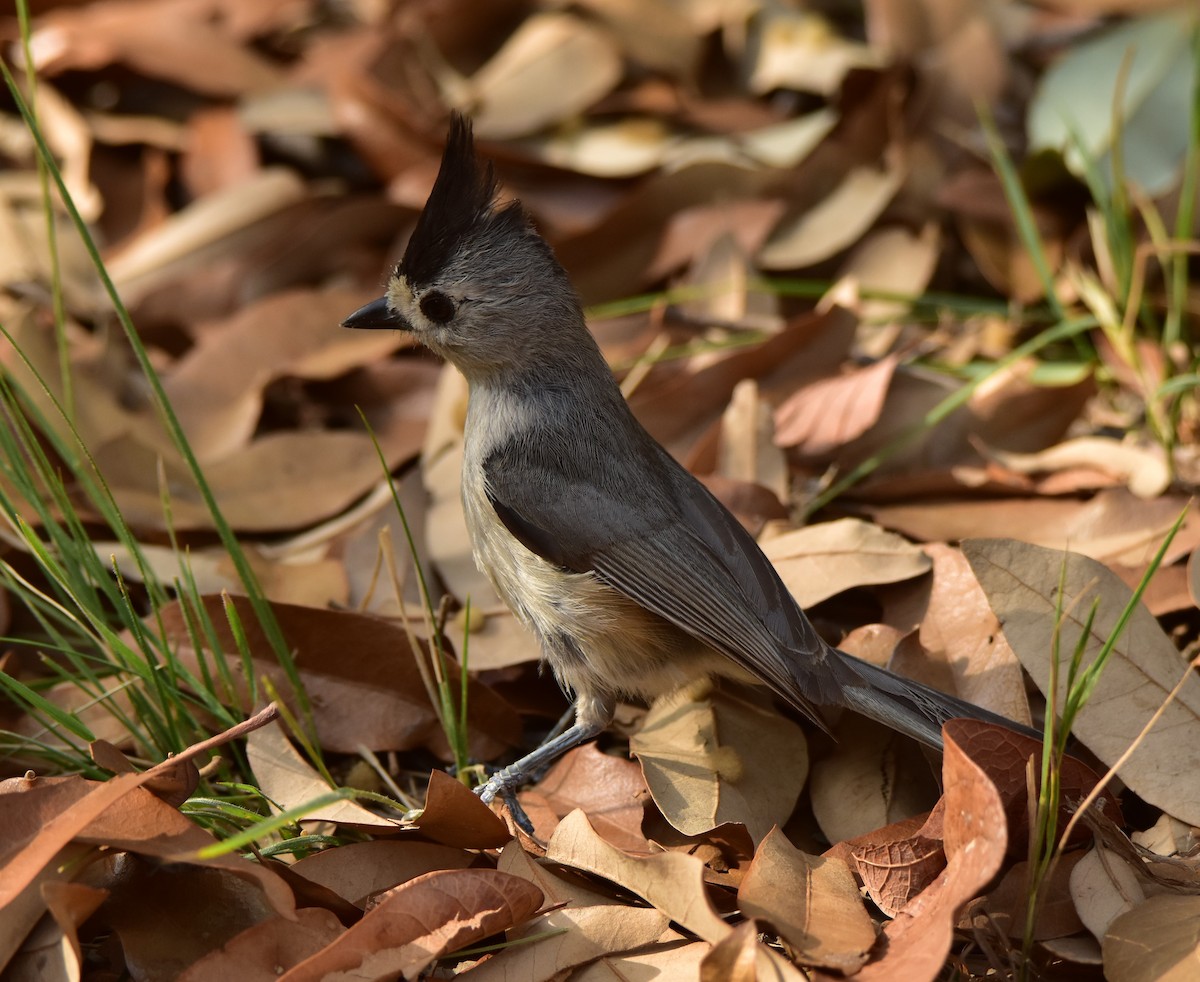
{"points": [[960, 633], [553, 66], [671, 882], [1157, 941], [290, 781], [178, 41], [826, 414], [813, 902], [610, 790], [579, 936], [1103, 887], [411, 926], [820, 561], [1113, 527], [873, 778], [1144, 469], [892, 259], [712, 757], [734, 958], [267, 950], [836, 222], [359, 672], [975, 839], [1022, 583], [358, 870]]}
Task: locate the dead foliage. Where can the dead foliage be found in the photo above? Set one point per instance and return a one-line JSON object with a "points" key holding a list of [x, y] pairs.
{"points": [[251, 168]]}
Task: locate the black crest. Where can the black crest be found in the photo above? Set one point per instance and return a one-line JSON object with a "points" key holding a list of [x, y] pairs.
{"points": [[461, 201]]}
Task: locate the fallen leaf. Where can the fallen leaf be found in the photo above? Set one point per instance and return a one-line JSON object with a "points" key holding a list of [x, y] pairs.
{"points": [[711, 757], [551, 67], [813, 903], [414, 924], [829, 413], [873, 778], [820, 561], [671, 882], [1103, 887], [1022, 583], [267, 950], [290, 781], [609, 790], [960, 633], [837, 221], [975, 840], [1157, 941], [357, 871]]}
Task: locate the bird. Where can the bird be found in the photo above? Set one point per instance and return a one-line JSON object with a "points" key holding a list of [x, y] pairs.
{"points": [[634, 578]]}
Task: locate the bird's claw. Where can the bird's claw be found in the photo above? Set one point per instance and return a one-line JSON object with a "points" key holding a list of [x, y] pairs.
{"points": [[503, 785]]}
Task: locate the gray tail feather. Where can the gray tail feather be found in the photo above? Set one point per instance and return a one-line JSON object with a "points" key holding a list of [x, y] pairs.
{"points": [[909, 707]]}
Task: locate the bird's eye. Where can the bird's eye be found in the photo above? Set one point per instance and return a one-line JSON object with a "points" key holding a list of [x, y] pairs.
{"points": [[438, 307]]}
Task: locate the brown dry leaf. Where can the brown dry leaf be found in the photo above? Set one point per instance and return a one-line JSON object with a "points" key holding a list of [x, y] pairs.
{"points": [[1113, 527], [609, 790], [290, 781], [1157, 941], [168, 916], [267, 950], [309, 582], [1004, 755], [358, 870], [672, 882], [747, 452], [892, 259], [829, 413], [216, 389], [895, 871], [1104, 886], [561, 887], [599, 148], [220, 151], [1144, 469], [1006, 904], [812, 901], [176, 40], [412, 925], [838, 220], [734, 958], [1022, 583], [975, 840], [797, 49], [672, 962], [206, 224], [578, 936], [711, 757], [273, 484], [52, 950], [691, 232], [42, 816], [960, 631], [454, 816], [553, 66], [679, 399], [820, 561], [360, 674], [873, 778]]}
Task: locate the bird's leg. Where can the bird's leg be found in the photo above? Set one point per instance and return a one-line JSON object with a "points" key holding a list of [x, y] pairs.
{"points": [[591, 717]]}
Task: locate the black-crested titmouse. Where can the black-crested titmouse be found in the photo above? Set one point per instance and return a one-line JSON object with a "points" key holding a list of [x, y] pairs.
{"points": [[633, 577]]}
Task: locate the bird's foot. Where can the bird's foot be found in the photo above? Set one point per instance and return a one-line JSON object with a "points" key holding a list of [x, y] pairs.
{"points": [[503, 785]]}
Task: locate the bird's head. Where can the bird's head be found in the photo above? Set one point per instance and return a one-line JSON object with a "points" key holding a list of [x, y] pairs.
{"points": [[477, 284]]}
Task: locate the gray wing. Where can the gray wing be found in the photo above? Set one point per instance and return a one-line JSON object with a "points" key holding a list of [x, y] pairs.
{"points": [[661, 539]]}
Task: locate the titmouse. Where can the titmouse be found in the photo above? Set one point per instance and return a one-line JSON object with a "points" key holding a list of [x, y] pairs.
{"points": [[634, 578]]}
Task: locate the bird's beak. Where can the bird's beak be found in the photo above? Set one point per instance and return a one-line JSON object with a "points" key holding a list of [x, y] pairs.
{"points": [[376, 316]]}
